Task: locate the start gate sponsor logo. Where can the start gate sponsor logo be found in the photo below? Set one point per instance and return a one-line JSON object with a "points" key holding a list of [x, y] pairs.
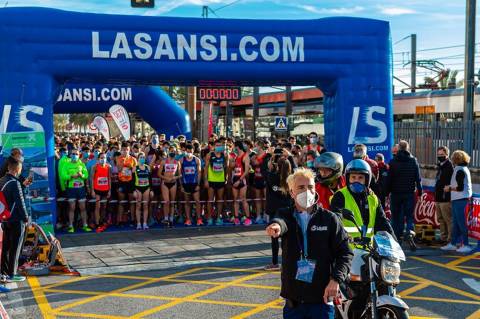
{"points": [[365, 122]]}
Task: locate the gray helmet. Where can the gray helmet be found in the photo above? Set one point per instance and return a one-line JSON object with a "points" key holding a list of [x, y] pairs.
{"points": [[358, 166], [333, 161]]}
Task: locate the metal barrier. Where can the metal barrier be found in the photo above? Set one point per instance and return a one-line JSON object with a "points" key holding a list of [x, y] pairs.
{"points": [[425, 137]]}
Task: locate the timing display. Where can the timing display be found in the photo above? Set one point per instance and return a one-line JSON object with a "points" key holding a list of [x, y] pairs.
{"points": [[219, 93]]}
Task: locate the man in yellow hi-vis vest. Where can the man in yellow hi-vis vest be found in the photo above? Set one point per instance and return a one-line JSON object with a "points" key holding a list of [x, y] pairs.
{"points": [[360, 199]]}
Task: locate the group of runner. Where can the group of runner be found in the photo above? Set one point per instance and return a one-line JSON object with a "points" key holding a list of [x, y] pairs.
{"points": [[154, 180]]}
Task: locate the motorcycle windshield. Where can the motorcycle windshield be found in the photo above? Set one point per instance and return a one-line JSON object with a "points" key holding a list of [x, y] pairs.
{"points": [[387, 246]]}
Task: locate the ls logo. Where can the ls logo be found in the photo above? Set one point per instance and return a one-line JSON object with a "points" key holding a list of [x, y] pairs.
{"points": [[367, 118], [23, 111]]}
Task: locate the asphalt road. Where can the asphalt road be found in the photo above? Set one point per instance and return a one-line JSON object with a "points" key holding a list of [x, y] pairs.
{"points": [[212, 273]]}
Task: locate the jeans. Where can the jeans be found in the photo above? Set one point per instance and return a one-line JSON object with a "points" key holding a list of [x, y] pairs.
{"points": [[401, 206], [309, 311], [459, 223]]}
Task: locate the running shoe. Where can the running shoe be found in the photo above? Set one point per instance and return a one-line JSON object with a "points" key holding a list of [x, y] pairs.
{"points": [[243, 218], [247, 221], [259, 220], [236, 221], [145, 226], [16, 278], [232, 219], [199, 222], [272, 267], [448, 247], [101, 228], [209, 222], [70, 229], [139, 226], [4, 289], [86, 229], [219, 222], [188, 222], [465, 249]]}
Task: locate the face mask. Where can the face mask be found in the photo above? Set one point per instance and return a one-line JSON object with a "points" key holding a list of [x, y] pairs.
{"points": [[357, 188], [86, 154], [306, 199], [235, 151], [171, 154], [96, 153], [310, 164], [189, 154], [124, 153], [141, 160], [313, 140], [441, 159], [21, 159], [62, 154], [219, 149], [155, 140], [75, 157], [102, 161]]}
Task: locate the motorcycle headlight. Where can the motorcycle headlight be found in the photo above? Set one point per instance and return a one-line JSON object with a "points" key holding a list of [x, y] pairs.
{"points": [[390, 271]]}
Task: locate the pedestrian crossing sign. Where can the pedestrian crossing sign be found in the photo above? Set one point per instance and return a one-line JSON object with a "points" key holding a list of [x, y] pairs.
{"points": [[281, 123]]}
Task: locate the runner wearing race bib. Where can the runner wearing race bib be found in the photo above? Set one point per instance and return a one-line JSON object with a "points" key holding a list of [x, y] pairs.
{"points": [[101, 188], [239, 185], [126, 163], [142, 179], [191, 173], [156, 187], [259, 185], [216, 164], [169, 173]]}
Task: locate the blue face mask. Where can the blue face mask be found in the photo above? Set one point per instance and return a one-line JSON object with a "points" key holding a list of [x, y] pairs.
{"points": [[219, 149], [141, 160], [357, 188], [74, 157], [96, 153], [310, 164], [86, 154]]}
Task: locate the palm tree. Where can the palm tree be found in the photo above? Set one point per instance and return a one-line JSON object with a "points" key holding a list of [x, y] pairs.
{"points": [[60, 121], [82, 120]]}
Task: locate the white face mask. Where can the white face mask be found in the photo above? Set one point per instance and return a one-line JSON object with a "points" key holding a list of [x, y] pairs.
{"points": [[305, 199]]}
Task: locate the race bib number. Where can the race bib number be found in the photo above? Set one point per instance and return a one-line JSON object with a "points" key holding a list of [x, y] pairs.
{"points": [[238, 171], [305, 270], [143, 182], [189, 170], [127, 172], [258, 172], [156, 181], [217, 167], [170, 168], [78, 184], [102, 181]]}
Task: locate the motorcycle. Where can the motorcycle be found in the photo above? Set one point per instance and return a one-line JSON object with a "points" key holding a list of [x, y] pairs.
{"points": [[370, 291]]}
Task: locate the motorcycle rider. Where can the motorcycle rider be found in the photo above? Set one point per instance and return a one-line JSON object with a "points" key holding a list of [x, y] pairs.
{"points": [[329, 179], [360, 199]]}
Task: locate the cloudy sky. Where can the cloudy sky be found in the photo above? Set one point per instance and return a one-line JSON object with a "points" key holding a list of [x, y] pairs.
{"points": [[437, 23]]}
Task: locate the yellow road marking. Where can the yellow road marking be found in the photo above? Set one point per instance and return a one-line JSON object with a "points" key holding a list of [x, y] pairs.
{"points": [[413, 289], [470, 302], [447, 267], [258, 309], [88, 315], [407, 281], [141, 284], [196, 295], [462, 260], [474, 315], [440, 285], [40, 298], [241, 270]]}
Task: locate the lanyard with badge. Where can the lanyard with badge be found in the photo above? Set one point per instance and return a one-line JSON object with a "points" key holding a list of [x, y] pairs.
{"points": [[305, 266]]}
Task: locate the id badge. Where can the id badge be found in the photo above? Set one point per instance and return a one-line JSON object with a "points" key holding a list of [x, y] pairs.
{"points": [[305, 270]]}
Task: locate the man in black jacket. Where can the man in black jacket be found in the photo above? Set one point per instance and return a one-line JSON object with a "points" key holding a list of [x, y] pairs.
{"points": [[403, 177], [14, 228], [442, 199], [316, 256]]}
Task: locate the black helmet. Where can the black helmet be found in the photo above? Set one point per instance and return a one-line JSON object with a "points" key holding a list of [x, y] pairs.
{"points": [[359, 166], [333, 161]]}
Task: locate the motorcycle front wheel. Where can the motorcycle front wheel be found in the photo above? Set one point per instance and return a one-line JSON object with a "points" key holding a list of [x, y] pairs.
{"points": [[391, 312]]}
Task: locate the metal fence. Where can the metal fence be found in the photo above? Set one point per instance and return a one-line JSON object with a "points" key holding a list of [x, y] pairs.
{"points": [[425, 137]]}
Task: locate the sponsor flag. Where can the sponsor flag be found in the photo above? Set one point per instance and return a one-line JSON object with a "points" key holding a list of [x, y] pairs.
{"points": [[472, 215], [121, 118], [102, 126], [210, 120]]}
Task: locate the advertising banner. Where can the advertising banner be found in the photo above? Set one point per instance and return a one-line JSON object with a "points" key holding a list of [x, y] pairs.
{"points": [[101, 124], [121, 118], [472, 214], [425, 212], [210, 119], [35, 165]]}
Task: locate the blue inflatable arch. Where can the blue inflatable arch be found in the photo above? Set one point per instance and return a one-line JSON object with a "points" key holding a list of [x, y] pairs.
{"points": [[349, 59], [147, 101]]}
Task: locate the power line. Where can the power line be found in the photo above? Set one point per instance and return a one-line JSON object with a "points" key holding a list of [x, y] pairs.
{"points": [[227, 5], [437, 48]]}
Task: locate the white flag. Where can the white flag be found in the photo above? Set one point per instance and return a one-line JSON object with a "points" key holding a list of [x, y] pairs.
{"points": [[121, 118], [102, 126]]}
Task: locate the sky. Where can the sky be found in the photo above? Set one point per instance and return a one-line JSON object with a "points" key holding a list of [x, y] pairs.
{"points": [[437, 23]]}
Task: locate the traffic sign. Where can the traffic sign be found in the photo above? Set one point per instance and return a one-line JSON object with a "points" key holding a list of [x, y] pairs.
{"points": [[281, 123]]}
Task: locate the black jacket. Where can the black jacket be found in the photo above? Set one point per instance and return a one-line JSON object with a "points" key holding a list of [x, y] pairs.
{"points": [[444, 174], [404, 174], [327, 245], [381, 221], [12, 190], [275, 199]]}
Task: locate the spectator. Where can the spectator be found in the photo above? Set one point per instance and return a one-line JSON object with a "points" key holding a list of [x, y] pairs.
{"points": [[382, 178], [461, 190], [360, 152], [14, 228], [329, 177], [314, 263], [442, 199], [404, 176]]}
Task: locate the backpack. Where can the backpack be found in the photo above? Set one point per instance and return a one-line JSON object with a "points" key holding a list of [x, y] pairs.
{"points": [[5, 213]]}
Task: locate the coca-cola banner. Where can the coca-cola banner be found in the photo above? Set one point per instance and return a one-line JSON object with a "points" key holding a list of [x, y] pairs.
{"points": [[425, 212], [472, 214]]}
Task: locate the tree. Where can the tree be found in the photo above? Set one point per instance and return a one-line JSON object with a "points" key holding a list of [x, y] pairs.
{"points": [[82, 120], [60, 121]]}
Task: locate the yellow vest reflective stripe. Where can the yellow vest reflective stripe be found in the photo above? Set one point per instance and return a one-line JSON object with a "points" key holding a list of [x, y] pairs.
{"points": [[351, 205]]}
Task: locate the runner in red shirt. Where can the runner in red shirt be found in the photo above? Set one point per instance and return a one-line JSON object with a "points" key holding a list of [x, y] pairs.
{"points": [[239, 183], [101, 188], [329, 179]]}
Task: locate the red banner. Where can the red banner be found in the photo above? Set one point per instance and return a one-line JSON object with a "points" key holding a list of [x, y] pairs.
{"points": [[472, 214], [425, 212], [210, 120]]}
